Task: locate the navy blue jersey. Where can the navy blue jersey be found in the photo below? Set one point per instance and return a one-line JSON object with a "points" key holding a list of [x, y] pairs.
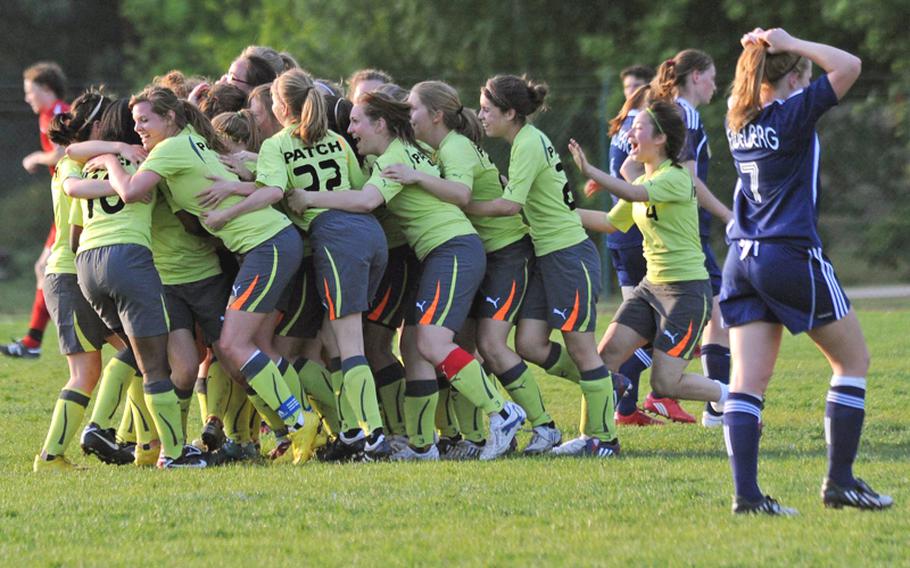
{"points": [[619, 151], [697, 150], [777, 156]]}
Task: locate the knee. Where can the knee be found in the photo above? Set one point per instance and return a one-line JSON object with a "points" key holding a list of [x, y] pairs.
{"points": [[428, 350], [491, 348], [532, 347]]}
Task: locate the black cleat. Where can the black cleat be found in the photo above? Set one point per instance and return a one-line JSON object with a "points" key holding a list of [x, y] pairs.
{"points": [[339, 451], [377, 450], [103, 445], [17, 350], [190, 458], [861, 496], [446, 444], [213, 433], [766, 505]]}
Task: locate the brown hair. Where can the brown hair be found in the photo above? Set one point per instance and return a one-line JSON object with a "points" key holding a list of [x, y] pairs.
{"points": [[667, 120], [174, 80], [441, 97], [520, 94], [639, 98], [76, 124], [395, 113], [367, 75], [755, 68], [299, 92], [164, 100], [642, 72], [222, 97], [279, 62], [240, 127], [49, 75], [673, 73]]}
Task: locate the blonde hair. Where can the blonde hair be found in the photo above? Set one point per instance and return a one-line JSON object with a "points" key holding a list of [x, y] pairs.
{"points": [[240, 127], [442, 97], [755, 68], [163, 100], [299, 92]]}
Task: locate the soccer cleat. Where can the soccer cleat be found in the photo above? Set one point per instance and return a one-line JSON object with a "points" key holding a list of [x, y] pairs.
{"points": [[303, 438], [190, 458], [213, 433], [503, 431], [861, 496], [282, 445], [573, 447], [230, 451], [343, 448], [668, 408], [378, 450], [445, 444], [711, 418], [637, 418], [397, 441], [601, 448], [103, 445], [410, 454], [621, 384], [147, 454], [543, 439], [18, 350], [55, 463], [465, 450], [250, 451], [766, 506]]}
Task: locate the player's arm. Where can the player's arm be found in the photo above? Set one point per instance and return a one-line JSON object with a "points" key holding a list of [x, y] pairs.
{"points": [[88, 188], [449, 191], [706, 199], [620, 188], [42, 158], [222, 188], [631, 170], [498, 207], [596, 221], [131, 188], [263, 197], [85, 151], [363, 201]]}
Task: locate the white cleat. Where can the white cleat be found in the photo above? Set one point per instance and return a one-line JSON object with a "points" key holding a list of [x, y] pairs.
{"points": [[709, 420], [465, 450], [503, 431], [397, 442], [544, 439], [410, 454], [573, 447]]}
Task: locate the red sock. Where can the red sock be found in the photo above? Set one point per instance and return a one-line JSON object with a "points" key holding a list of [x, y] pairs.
{"points": [[454, 362], [38, 323]]}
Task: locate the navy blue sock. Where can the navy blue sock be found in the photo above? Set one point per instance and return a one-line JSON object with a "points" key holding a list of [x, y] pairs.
{"points": [[632, 368], [715, 362], [844, 413], [742, 415]]}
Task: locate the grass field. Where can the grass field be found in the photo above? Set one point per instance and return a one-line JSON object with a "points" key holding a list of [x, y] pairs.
{"points": [[664, 502]]}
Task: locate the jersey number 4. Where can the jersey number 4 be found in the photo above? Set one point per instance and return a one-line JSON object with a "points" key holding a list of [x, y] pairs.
{"points": [[333, 180], [751, 169]]}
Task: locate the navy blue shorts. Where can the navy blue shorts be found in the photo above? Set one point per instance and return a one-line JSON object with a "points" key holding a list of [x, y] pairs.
{"points": [[780, 283], [714, 272], [630, 265]]}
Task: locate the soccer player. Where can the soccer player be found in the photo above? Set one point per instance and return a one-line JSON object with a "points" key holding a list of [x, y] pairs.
{"points": [[771, 120], [453, 264], [671, 305], [248, 72], [564, 282], [626, 247], [455, 133], [181, 145], [44, 84], [80, 331], [117, 276], [688, 78]]}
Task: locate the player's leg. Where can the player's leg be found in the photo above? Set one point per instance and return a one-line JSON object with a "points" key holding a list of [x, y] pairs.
{"points": [[715, 343]]}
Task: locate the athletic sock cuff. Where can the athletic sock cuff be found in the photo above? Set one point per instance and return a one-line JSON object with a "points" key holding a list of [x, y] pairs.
{"points": [[127, 356], [282, 365], [200, 385], [300, 363], [183, 394], [158, 387], [553, 357], [254, 365], [454, 362], [743, 403], [512, 374], [389, 374], [420, 388], [355, 361], [595, 374], [714, 349], [844, 381], [75, 395], [334, 364]]}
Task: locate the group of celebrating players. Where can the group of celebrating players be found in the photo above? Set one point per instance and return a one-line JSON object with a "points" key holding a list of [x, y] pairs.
{"points": [[260, 240]]}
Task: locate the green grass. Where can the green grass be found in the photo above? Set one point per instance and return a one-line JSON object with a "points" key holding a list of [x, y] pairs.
{"points": [[664, 502]]}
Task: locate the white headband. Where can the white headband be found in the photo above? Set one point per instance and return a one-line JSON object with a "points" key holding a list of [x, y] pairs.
{"points": [[94, 112]]}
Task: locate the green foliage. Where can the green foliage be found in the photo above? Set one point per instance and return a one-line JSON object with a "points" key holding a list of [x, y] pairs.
{"points": [[664, 502]]}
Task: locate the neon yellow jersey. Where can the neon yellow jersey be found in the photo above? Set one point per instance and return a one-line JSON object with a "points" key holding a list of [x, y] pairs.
{"points": [[426, 220], [394, 236], [184, 161], [461, 160], [669, 225], [109, 221], [180, 257], [62, 259], [328, 165], [537, 181]]}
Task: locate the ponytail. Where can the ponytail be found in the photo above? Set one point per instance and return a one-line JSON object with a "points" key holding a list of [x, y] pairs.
{"points": [[755, 68], [673, 73], [313, 119], [441, 97], [639, 99], [76, 125], [298, 90], [395, 113], [239, 127]]}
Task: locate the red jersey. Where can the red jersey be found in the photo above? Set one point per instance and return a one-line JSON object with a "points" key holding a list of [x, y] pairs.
{"points": [[44, 121]]}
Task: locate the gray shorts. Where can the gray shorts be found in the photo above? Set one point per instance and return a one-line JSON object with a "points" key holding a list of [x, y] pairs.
{"points": [[564, 287], [123, 287], [300, 307], [79, 329], [449, 278], [505, 283], [350, 254], [199, 302], [671, 315], [265, 272]]}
